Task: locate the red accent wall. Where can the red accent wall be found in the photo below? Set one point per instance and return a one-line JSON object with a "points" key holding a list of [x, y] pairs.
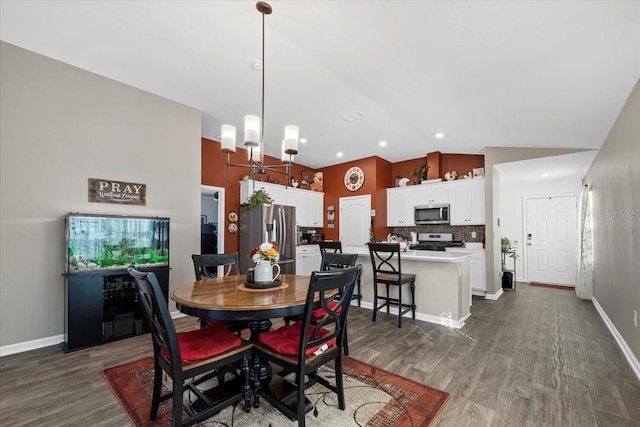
{"points": [[377, 178], [379, 175], [405, 170], [214, 172], [461, 163]]}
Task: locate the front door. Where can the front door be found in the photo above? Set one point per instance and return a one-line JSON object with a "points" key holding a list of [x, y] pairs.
{"points": [[551, 239], [355, 220]]}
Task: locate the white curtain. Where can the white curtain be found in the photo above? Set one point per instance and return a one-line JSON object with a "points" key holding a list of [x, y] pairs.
{"points": [[584, 288]]}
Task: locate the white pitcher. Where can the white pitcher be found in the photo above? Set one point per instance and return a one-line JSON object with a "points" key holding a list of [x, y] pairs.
{"points": [[263, 272]]}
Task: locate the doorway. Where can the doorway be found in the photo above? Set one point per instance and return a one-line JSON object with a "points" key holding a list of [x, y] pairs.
{"points": [[355, 220], [551, 239], [212, 219]]}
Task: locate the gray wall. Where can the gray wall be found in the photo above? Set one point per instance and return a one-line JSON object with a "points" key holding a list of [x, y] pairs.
{"points": [[61, 125], [615, 177]]}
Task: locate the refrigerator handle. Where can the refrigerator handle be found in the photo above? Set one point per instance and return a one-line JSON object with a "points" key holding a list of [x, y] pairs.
{"points": [[283, 232]]}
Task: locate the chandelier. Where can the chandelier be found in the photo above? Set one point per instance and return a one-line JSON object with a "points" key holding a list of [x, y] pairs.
{"points": [[254, 132]]}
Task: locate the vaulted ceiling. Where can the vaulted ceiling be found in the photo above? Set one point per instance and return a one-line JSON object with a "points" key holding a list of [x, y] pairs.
{"points": [[509, 73]]}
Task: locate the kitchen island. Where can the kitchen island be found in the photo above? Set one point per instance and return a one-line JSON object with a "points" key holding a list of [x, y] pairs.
{"points": [[443, 289]]}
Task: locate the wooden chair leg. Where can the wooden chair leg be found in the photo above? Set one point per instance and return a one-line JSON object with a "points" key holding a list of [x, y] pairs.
{"points": [[339, 382], [176, 413], [301, 414], [413, 299], [375, 301], [345, 344], [388, 302], [157, 389], [400, 306]]}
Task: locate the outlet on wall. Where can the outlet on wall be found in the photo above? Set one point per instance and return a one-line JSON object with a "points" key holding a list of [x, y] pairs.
{"points": [[473, 234]]}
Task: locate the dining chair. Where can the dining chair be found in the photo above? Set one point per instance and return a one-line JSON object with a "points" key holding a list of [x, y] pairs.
{"points": [[206, 266], [187, 356], [331, 245], [303, 347], [336, 247], [331, 261], [387, 271]]}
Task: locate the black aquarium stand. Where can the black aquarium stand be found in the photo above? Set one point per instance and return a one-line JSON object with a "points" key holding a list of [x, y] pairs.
{"points": [[104, 306]]}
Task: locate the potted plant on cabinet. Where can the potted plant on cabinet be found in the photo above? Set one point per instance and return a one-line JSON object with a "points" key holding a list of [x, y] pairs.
{"points": [[420, 172], [259, 197]]}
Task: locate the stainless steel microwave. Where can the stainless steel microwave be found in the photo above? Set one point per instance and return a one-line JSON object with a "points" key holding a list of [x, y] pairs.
{"points": [[431, 214]]}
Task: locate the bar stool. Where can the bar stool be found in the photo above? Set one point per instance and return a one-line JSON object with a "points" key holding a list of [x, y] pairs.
{"points": [[385, 260]]}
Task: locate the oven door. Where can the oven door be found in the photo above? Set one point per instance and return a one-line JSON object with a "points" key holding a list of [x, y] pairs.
{"points": [[431, 214]]}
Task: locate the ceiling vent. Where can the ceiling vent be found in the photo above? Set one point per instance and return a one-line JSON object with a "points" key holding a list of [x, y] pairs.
{"points": [[352, 116]]}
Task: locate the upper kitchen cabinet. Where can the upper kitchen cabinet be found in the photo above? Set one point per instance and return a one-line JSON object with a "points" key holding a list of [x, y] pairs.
{"points": [[400, 203], [466, 198], [277, 192], [426, 194], [309, 207], [309, 204]]}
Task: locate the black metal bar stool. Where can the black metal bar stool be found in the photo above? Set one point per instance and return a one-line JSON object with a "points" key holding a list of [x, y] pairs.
{"points": [[387, 270]]}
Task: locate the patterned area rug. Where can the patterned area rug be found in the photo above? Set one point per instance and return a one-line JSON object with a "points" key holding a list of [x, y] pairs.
{"points": [[374, 398]]}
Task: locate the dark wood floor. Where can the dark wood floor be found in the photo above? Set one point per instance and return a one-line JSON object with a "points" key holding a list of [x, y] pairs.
{"points": [[537, 357]]}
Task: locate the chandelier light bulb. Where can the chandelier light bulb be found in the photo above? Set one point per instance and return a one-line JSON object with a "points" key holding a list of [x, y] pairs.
{"points": [[228, 139], [253, 153], [251, 131], [286, 158], [291, 136]]}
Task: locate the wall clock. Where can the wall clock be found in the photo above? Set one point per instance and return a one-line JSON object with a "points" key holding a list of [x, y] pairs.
{"points": [[354, 178]]}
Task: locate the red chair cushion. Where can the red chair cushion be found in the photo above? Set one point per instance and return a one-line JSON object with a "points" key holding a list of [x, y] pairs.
{"points": [[319, 313], [287, 339], [204, 343]]}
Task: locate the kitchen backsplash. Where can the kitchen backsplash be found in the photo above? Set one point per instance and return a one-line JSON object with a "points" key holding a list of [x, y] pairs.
{"points": [[462, 233]]}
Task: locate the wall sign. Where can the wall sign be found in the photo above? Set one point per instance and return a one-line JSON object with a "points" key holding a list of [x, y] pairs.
{"points": [[119, 192]]}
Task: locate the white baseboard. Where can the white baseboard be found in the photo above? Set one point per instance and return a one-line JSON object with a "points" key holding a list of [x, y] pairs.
{"points": [[438, 320], [21, 347], [494, 296], [631, 358]]}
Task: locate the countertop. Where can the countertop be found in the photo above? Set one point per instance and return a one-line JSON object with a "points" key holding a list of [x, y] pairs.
{"points": [[437, 256]]}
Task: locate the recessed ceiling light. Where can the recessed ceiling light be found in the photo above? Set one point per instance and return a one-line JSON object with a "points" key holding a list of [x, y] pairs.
{"points": [[439, 135], [339, 154], [543, 174], [383, 143], [303, 140]]}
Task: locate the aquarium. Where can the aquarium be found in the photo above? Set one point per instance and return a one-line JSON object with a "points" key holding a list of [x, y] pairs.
{"points": [[107, 242]]}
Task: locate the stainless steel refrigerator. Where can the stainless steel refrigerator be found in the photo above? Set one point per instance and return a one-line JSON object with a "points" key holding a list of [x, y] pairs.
{"points": [[268, 223]]}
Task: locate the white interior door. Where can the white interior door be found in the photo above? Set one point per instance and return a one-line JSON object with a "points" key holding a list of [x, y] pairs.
{"points": [[551, 239], [355, 220]]}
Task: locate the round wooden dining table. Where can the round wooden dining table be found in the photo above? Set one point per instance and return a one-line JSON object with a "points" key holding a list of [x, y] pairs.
{"points": [[226, 298]]}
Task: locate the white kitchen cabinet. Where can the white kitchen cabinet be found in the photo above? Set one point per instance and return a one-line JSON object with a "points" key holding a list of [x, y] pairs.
{"points": [[400, 203], [478, 277], [309, 207], [426, 194], [315, 209], [275, 191], [308, 259], [466, 198], [309, 204]]}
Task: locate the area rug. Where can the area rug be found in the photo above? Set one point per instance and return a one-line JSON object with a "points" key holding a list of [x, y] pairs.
{"points": [[374, 397], [553, 286]]}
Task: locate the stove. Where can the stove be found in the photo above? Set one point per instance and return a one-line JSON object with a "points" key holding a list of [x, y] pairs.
{"points": [[434, 242]]}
